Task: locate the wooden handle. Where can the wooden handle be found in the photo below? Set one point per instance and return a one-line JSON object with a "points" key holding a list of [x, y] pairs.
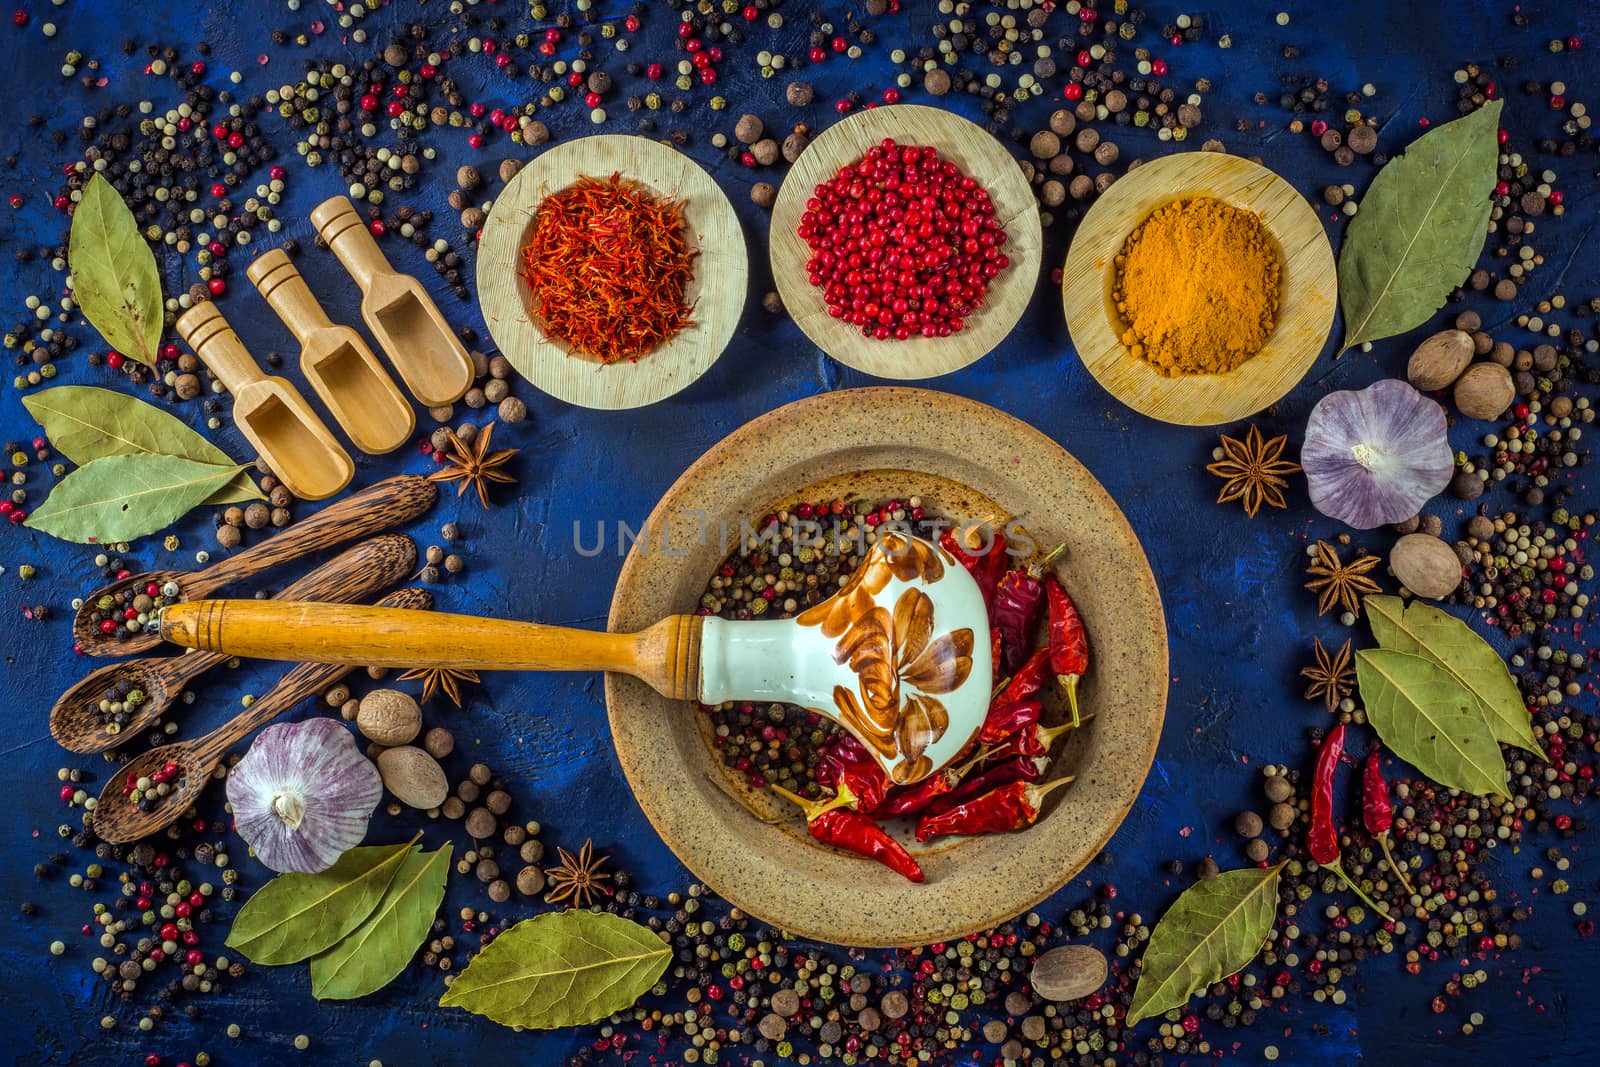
{"points": [[303, 681], [340, 225], [286, 292], [387, 504], [666, 656], [354, 574], [204, 329]]}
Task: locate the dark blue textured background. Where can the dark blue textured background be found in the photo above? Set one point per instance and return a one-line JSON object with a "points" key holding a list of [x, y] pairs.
{"points": [[1240, 626]]}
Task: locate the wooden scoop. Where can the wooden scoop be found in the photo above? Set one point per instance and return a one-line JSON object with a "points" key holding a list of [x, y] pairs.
{"points": [[899, 656], [397, 309], [389, 503], [272, 415], [357, 574], [118, 820], [336, 361]]}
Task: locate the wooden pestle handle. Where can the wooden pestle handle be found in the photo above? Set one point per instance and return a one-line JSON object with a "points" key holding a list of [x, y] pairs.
{"points": [[337, 220], [204, 329], [666, 656], [386, 504], [278, 280], [299, 683], [354, 574]]}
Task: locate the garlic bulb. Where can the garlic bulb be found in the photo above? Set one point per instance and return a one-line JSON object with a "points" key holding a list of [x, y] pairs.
{"points": [[1376, 455], [302, 795]]}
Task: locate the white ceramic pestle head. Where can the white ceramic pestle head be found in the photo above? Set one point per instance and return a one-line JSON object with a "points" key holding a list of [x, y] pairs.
{"points": [[899, 656]]}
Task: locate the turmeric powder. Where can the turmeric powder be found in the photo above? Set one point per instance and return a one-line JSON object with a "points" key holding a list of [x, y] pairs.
{"points": [[1197, 287]]}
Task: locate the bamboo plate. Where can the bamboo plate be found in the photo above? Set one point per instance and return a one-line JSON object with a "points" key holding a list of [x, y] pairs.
{"points": [[980, 157], [1308, 289], [717, 289], [975, 463]]}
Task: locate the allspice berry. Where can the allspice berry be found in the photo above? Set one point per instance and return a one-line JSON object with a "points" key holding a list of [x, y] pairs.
{"points": [[763, 194], [389, 717], [1063, 122], [748, 129], [799, 94], [530, 881], [1247, 824], [439, 742], [1045, 145], [936, 81], [509, 169], [1484, 390], [794, 144], [480, 823], [766, 151], [467, 176], [229, 536], [1106, 153]]}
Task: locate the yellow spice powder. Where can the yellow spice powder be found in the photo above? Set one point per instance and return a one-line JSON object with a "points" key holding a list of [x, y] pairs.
{"points": [[1197, 287]]}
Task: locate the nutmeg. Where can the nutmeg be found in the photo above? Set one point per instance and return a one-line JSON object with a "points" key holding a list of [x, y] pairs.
{"points": [[1439, 360], [413, 776], [389, 717], [1426, 565], [1484, 390]]}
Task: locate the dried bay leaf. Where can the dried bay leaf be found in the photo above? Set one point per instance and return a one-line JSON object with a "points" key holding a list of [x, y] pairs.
{"points": [[85, 423], [114, 277], [374, 953], [119, 498], [1213, 930], [295, 916], [1421, 227], [1423, 630], [1430, 720], [558, 969]]}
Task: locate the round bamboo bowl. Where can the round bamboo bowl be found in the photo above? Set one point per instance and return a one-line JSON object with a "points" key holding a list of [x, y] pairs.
{"points": [[981, 158], [716, 290], [1308, 289], [975, 464]]}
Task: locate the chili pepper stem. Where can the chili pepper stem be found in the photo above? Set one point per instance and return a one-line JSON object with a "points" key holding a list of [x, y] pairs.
{"points": [[1037, 568], [1069, 682], [813, 808], [1037, 793], [1383, 843], [1048, 735], [1333, 865]]}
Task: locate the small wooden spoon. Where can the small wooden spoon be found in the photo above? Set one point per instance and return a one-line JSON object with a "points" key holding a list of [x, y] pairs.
{"points": [[387, 504], [356, 574], [271, 413], [364, 400], [118, 820], [397, 309]]}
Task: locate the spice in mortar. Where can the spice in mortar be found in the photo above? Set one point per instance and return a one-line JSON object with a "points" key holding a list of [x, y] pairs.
{"points": [[609, 266], [1197, 287], [902, 243]]}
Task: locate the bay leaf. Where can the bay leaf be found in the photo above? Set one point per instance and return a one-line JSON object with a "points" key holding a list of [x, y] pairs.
{"points": [[119, 498], [86, 423], [114, 277], [1430, 720], [295, 916], [374, 953], [1421, 228], [1213, 930], [558, 969], [1424, 630]]}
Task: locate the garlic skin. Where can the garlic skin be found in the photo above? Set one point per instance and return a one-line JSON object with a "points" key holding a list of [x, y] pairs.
{"points": [[1376, 455], [302, 795]]}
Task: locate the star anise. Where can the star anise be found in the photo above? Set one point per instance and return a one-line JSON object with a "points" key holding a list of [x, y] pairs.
{"points": [[1332, 677], [472, 464], [1337, 582], [447, 680], [1252, 471], [578, 878]]}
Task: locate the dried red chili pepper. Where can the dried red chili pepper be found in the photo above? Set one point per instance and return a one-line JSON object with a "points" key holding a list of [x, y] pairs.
{"points": [[844, 828], [1004, 720], [1026, 682], [1377, 812], [1069, 645], [1013, 769], [1010, 807], [1322, 839], [1018, 600], [911, 799], [1034, 740], [986, 564]]}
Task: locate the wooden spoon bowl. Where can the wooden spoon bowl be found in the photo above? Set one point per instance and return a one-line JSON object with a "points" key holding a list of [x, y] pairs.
{"points": [[354, 575]]}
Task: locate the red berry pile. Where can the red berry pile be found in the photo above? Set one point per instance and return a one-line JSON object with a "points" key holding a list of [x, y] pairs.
{"points": [[903, 244]]}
